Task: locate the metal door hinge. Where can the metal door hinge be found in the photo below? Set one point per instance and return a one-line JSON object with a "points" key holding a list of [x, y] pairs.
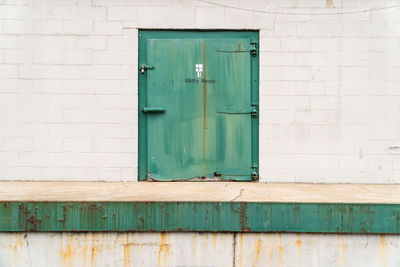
{"points": [[253, 48], [254, 111], [254, 172], [145, 67], [234, 110]]}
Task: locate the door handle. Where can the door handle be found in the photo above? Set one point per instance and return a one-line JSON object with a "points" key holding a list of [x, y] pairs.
{"points": [[153, 110], [145, 67]]}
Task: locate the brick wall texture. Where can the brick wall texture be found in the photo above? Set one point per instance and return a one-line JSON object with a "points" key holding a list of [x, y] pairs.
{"points": [[329, 86]]}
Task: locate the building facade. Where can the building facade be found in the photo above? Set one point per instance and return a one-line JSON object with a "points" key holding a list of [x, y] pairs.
{"points": [[329, 102]]}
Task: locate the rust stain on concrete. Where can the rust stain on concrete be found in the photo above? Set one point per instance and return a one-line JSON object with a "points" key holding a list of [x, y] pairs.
{"points": [[93, 252], [315, 251], [127, 259], [67, 252], [270, 245], [164, 250], [194, 246], [280, 252], [18, 245], [240, 249], [258, 249], [342, 249], [214, 237], [329, 4], [85, 250], [15, 247], [382, 254], [299, 243]]}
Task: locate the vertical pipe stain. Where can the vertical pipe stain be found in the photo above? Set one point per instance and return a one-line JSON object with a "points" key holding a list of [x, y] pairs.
{"points": [[383, 259]]}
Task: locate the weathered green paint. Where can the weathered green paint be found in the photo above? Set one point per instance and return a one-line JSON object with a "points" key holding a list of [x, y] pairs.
{"points": [[200, 216], [192, 138]]}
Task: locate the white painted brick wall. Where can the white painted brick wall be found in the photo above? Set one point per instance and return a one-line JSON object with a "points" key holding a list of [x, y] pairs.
{"points": [[329, 86]]}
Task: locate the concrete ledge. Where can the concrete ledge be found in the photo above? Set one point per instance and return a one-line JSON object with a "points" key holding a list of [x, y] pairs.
{"points": [[199, 192]]}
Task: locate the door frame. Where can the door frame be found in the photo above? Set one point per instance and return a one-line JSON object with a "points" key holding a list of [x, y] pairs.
{"points": [[143, 35]]}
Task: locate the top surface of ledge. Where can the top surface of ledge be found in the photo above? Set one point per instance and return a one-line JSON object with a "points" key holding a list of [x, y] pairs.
{"points": [[199, 192]]}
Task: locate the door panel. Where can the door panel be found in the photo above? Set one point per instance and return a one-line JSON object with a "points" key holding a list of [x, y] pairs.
{"points": [[206, 130], [233, 72], [175, 137]]}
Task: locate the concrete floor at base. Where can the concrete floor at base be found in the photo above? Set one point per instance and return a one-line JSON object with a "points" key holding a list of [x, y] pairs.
{"points": [[197, 249]]}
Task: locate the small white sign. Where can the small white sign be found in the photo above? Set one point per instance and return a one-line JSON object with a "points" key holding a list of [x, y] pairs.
{"points": [[199, 70]]}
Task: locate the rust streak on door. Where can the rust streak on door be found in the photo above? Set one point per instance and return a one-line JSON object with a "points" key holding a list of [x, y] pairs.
{"points": [[203, 48]]}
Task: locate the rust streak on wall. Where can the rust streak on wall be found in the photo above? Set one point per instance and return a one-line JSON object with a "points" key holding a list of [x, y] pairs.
{"points": [[127, 260], [240, 249], [85, 250], [164, 249], [281, 264], [258, 249], [383, 258], [66, 252], [93, 251], [194, 247], [298, 249]]}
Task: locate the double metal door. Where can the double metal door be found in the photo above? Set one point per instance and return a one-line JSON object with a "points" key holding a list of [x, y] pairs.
{"points": [[198, 101]]}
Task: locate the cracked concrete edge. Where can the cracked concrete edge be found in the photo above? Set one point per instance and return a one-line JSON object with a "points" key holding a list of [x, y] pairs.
{"points": [[199, 192]]}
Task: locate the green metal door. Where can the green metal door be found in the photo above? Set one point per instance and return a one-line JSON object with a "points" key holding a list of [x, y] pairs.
{"points": [[198, 101]]}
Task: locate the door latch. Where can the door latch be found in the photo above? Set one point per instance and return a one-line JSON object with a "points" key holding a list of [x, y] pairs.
{"points": [[145, 67]]}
